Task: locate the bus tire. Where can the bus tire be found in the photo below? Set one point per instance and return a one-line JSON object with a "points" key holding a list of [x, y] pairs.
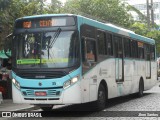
{"points": [[101, 99], [47, 108], [141, 88]]}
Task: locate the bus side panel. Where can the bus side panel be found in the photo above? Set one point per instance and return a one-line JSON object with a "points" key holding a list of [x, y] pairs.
{"points": [[72, 94], [153, 73], [106, 71], [16, 95], [89, 84], [153, 79], [141, 73], [128, 72]]}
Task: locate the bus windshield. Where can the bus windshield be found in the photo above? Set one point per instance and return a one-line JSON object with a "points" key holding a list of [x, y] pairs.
{"points": [[52, 49]]}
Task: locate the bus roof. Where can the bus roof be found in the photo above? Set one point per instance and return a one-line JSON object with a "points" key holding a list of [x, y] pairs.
{"points": [[105, 26], [116, 29], [45, 15]]}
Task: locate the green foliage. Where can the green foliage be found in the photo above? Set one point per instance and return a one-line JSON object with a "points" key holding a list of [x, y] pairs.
{"points": [[113, 11], [139, 28], [54, 7], [10, 10], [155, 34]]}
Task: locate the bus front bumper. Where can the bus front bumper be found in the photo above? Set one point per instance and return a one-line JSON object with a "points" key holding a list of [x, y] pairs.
{"points": [[71, 95]]}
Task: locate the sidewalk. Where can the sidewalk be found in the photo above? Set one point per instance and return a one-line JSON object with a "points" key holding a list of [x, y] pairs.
{"points": [[8, 105]]}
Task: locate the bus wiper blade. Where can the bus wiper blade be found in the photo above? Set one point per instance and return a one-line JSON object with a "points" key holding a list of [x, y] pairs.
{"points": [[54, 38]]}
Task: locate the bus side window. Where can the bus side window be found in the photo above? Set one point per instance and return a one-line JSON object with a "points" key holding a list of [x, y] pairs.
{"points": [[152, 52], [91, 51], [88, 53], [127, 48], [134, 49], [140, 50], [147, 52], [118, 47], [101, 39], [109, 44]]}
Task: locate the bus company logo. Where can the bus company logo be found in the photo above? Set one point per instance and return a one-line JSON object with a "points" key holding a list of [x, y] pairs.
{"points": [[6, 114], [53, 83], [102, 72], [40, 84]]}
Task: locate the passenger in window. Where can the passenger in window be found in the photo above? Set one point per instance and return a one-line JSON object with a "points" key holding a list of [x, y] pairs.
{"points": [[90, 51], [90, 56]]}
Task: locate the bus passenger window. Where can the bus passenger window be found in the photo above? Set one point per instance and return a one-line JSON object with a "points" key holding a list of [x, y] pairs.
{"points": [[152, 52], [109, 48], [134, 49], [118, 47], [101, 42], [90, 55], [147, 52], [140, 50], [127, 47]]}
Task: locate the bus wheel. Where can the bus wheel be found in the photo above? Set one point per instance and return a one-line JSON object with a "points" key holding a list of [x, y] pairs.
{"points": [[47, 108], [101, 101], [141, 88]]}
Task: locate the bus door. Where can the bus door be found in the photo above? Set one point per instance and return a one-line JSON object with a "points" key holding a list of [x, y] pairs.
{"points": [[119, 67], [89, 61], [148, 62]]}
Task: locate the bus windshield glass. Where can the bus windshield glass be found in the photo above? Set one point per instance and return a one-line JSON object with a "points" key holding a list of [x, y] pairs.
{"points": [[52, 49]]}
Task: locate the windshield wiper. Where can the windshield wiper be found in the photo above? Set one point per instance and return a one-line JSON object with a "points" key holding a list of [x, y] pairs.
{"points": [[54, 37]]}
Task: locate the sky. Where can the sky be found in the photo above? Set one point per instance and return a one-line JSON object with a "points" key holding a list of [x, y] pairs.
{"points": [[63, 1], [133, 2]]}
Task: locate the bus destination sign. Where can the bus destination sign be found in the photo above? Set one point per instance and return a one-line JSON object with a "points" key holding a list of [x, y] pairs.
{"points": [[45, 22]]}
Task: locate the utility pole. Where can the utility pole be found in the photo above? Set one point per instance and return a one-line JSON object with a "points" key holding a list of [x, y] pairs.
{"points": [[148, 15], [152, 14]]}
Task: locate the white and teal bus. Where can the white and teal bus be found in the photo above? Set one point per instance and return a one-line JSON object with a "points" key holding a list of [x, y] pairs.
{"points": [[71, 59]]}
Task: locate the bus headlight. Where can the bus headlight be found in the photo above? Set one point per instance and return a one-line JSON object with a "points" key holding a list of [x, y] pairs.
{"points": [[70, 82], [16, 83]]}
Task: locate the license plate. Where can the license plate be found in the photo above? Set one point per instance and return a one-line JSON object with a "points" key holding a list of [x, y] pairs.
{"points": [[40, 93]]}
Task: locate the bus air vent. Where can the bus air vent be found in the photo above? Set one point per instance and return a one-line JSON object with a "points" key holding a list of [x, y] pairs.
{"points": [[41, 74]]}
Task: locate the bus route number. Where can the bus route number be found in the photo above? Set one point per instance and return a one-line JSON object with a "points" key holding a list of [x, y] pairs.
{"points": [[53, 83]]}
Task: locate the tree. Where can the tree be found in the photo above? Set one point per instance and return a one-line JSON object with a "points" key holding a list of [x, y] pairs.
{"points": [[113, 11], [14, 9], [54, 7], [4, 4], [155, 34], [139, 28]]}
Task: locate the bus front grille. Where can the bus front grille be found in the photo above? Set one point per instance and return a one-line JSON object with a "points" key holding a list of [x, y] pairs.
{"points": [[41, 98], [50, 92], [41, 74]]}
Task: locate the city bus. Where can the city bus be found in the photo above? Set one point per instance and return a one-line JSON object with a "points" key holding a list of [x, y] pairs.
{"points": [[71, 59]]}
